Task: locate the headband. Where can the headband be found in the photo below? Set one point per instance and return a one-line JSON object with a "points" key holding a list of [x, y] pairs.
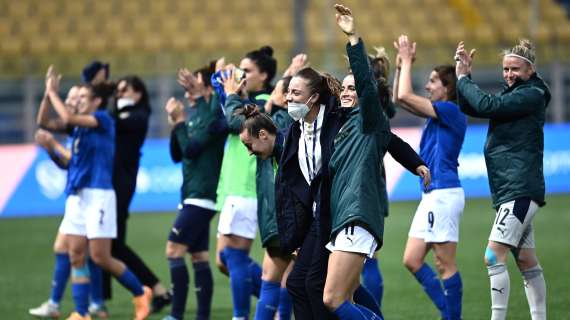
{"points": [[519, 56]]}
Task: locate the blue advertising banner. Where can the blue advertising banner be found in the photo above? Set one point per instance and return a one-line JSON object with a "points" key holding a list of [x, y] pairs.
{"points": [[32, 185]]}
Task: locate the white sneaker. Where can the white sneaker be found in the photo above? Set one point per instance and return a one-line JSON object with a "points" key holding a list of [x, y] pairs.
{"points": [[46, 310]]}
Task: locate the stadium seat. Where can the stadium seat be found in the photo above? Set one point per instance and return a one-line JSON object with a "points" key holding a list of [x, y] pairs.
{"points": [[172, 26]]}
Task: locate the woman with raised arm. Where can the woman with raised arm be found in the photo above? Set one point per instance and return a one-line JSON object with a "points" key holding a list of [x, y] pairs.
{"points": [[401, 151], [200, 148], [60, 155], [514, 153], [435, 225], [90, 218], [237, 199], [359, 200]]}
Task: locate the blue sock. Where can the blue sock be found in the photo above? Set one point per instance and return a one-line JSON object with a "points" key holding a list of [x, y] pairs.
{"points": [[268, 300], [454, 293], [255, 274], [369, 314], [131, 282], [204, 284], [285, 304], [364, 298], [61, 271], [96, 279], [80, 294], [349, 311], [372, 280], [240, 281], [180, 281], [432, 286]]}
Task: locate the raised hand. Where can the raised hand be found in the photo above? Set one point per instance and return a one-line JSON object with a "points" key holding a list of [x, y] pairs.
{"points": [[52, 80], [175, 110], [220, 64], [50, 72], [345, 20], [464, 60], [406, 49], [297, 63], [231, 86], [194, 86], [186, 79]]}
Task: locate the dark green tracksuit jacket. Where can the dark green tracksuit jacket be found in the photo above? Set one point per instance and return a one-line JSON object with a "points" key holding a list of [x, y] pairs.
{"points": [[515, 139], [358, 193], [265, 182], [199, 144]]}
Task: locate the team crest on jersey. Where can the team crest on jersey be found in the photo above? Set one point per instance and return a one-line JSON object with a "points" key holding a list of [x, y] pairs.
{"points": [[76, 145]]}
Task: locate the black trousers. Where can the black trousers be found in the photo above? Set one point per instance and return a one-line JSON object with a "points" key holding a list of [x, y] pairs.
{"points": [[307, 279], [124, 182]]}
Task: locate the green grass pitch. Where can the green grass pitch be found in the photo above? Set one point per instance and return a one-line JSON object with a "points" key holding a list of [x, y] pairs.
{"points": [[26, 263]]}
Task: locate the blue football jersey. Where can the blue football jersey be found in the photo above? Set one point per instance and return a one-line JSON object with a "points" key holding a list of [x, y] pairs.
{"points": [[92, 155], [441, 143]]}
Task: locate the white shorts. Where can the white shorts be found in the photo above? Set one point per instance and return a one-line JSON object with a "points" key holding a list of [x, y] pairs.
{"points": [[513, 223], [438, 215], [239, 217], [91, 213], [354, 239]]}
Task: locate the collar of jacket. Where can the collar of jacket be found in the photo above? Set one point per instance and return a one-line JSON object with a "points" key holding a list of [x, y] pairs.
{"points": [[534, 80], [278, 146], [519, 82]]}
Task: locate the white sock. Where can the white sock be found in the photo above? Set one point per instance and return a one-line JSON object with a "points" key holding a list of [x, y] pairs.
{"points": [[53, 303], [535, 288], [500, 287]]}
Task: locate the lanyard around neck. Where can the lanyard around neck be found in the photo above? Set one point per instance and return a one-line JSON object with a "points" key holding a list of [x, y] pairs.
{"points": [[312, 172]]}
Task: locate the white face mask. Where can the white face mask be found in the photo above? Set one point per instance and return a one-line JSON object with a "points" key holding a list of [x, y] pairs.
{"points": [[125, 102], [298, 110]]}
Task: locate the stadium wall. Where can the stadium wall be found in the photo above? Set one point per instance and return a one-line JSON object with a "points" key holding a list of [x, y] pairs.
{"points": [[31, 185]]}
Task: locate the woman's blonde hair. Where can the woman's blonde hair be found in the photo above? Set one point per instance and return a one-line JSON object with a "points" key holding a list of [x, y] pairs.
{"points": [[524, 49]]}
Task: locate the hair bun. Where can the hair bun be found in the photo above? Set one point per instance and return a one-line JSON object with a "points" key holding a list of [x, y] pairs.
{"points": [[526, 43], [267, 50], [249, 111]]}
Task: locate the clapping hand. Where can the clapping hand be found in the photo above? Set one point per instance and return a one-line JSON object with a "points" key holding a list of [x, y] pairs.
{"points": [[52, 80], [175, 110], [194, 85], [464, 60], [406, 49]]}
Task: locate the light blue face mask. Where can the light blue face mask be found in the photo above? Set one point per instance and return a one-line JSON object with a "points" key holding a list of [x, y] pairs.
{"points": [[298, 110]]}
